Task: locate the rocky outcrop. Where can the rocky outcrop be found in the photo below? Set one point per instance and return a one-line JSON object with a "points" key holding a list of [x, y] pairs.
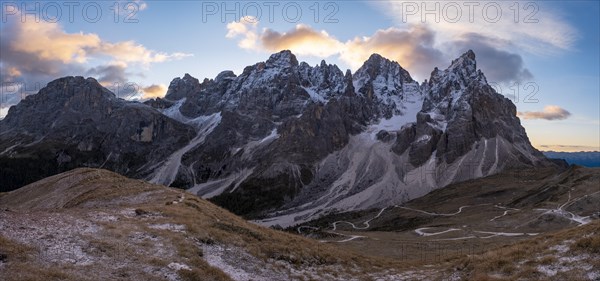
{"points": [[460, 110], [74, 122], [385, 83]]}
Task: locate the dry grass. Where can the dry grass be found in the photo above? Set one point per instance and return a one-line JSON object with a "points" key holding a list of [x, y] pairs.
{"points": [[200, 274], [588, 244], [16, 264], [140, 249], [522, 260], [130, 247], [210, 224], [12, 251]]}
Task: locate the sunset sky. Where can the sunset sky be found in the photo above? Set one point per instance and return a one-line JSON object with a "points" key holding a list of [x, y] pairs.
{"points": [[548, 51]]}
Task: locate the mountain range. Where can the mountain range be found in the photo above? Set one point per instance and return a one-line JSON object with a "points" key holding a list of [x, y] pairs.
{"points": [[283, 142], [583, 158]]}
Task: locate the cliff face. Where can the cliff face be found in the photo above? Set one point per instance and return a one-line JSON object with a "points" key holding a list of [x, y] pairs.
{"points": [[75, 122]]}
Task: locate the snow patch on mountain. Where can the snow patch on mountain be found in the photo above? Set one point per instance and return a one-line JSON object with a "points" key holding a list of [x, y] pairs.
{"points": [[167, 173], [215, 187], [316, 97], [409, 110]]}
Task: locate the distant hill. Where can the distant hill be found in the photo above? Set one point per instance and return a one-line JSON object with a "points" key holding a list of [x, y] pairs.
{"points": [[583, 158]]}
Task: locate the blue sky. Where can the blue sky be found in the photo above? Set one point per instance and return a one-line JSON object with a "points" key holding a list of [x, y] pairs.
{"points": [[552, 47]]}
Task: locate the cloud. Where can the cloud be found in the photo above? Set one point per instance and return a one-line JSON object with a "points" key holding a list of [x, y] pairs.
{"points": [[537, 29], [35, 53], [415, 48], [131, 52], [109, 74], [412, 48], [154, 91], [40, 46], [241, 27], [303, 40], [38, 52], [550, 112], [46, 41], [421, 45], [246, 29], [567, 147], [498, 65]]}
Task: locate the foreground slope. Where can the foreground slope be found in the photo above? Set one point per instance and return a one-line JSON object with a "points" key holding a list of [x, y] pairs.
{"points": [[89, 224], [570, 254]]}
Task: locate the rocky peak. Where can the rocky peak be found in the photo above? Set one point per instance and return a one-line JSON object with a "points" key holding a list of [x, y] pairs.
{"points": [[72, 80], [377, 65], [386, 83], [376, 58], [464, 65], [72, 85], [468, 55], [283, 59], [459, 75], [188, 77], [77, 93], [225, 75], [348, 74], [434, 77], [181, 87], [67, 100]]}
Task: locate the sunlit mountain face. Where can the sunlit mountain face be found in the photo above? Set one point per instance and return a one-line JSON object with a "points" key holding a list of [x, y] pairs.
{"points": [[353, 140]]}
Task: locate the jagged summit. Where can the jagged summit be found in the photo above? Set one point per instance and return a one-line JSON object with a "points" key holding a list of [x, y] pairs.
{"points": [[466, 63], [284, 58], [376, 57], [182, 86], [469, 54], [462, 71], [227, 74], [379, 65], [385, 82]]}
